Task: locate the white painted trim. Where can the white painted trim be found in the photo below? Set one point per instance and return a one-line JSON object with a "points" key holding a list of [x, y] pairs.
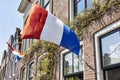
{"points": [[109, 28], [42, 55], [61, 61], [33, 61], [21, 71], [71, 9]]}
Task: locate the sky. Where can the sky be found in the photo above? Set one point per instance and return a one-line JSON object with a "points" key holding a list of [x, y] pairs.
{"points": [[10, 19]]}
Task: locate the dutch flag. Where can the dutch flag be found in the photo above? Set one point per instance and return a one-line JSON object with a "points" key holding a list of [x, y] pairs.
{"points": [[18, 54], [45, 26]]}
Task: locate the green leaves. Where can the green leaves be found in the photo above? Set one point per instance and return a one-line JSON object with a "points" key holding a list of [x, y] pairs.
{"points": [[45, 67], [96, 12]]}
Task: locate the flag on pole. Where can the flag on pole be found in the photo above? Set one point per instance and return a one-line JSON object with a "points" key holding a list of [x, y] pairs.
{"points": [[45, 26], [18, 54]]}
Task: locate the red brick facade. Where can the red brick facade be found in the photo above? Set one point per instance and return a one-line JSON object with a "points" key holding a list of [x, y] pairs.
{"points": [[61, 9]]}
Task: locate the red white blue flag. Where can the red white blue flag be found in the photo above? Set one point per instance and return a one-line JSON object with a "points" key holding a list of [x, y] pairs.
{"points": [[45, 26], [18, 54]]}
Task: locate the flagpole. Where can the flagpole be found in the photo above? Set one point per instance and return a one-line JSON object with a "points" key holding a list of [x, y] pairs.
{"points": [[81, 59]]}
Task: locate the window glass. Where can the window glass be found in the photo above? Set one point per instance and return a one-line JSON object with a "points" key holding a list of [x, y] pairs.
{"points": [[78, 64], [72, 63], [70, 78], [31, 71], [89, 3], [110, 48], [68, 63], [44, 3], [80, 5], [77, 77], [47, 7], [113, 74]]}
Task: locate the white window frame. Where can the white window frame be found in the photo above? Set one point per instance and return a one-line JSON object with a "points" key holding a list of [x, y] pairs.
{"points": [[39, 58], [61, 61], [72, 9], [108, 29], [21, 77], [29, 68]]}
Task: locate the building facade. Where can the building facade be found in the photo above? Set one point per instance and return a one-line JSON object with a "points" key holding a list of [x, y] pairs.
{"points": [[100, 42], [10, 66]]}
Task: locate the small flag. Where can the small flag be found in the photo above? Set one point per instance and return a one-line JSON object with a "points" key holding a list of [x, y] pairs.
{"points": [[18, 58], [18, 54], [45, 26]]}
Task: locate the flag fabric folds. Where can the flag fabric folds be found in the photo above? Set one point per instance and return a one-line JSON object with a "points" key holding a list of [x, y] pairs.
{"points": [[45, 26], [18, 54]]}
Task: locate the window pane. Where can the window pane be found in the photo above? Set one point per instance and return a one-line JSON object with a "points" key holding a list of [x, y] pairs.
{"points": [[113, 74], [110, 45], [80, 77], [89, 3], [68, 63], [72, 63], [78, 64], [47, 7], [79, 6], [45, 2], [77, 77], [31, 71], [70, 78]]}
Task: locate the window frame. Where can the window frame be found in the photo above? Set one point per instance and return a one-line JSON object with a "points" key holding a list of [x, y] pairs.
{"points": [[21, 73], [39, 58], [31, 63], [85, 6], [101, 54], [111, 66], [42, 3], [100, 70], [62, 75]]}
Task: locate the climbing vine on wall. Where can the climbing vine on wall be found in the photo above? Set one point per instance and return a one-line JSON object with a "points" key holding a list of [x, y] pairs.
{"points": [[81, 21], [42, 45], [45, 67]]}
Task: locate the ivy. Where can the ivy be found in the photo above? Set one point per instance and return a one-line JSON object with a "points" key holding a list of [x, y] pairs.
{"points": [[37, 44], [96, 12], [45, 67]]}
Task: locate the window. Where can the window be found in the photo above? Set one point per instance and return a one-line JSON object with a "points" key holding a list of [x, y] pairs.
{"points": [[39, 64], [72, 66], [23, 73], [110, 55], [107, 42], [44, 3], [110, 48], [80, 5], [31, 71]]}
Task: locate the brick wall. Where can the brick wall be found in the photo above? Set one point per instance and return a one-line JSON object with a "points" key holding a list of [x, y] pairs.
{"points": [[89, 51], [60, 9]]}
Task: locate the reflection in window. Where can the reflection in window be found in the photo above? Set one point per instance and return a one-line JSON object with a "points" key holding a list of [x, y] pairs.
{"points": [[72, 63], [68, 63], [110, 48], [31, 71], [80, 5], [45, 3], [78, 65]]}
